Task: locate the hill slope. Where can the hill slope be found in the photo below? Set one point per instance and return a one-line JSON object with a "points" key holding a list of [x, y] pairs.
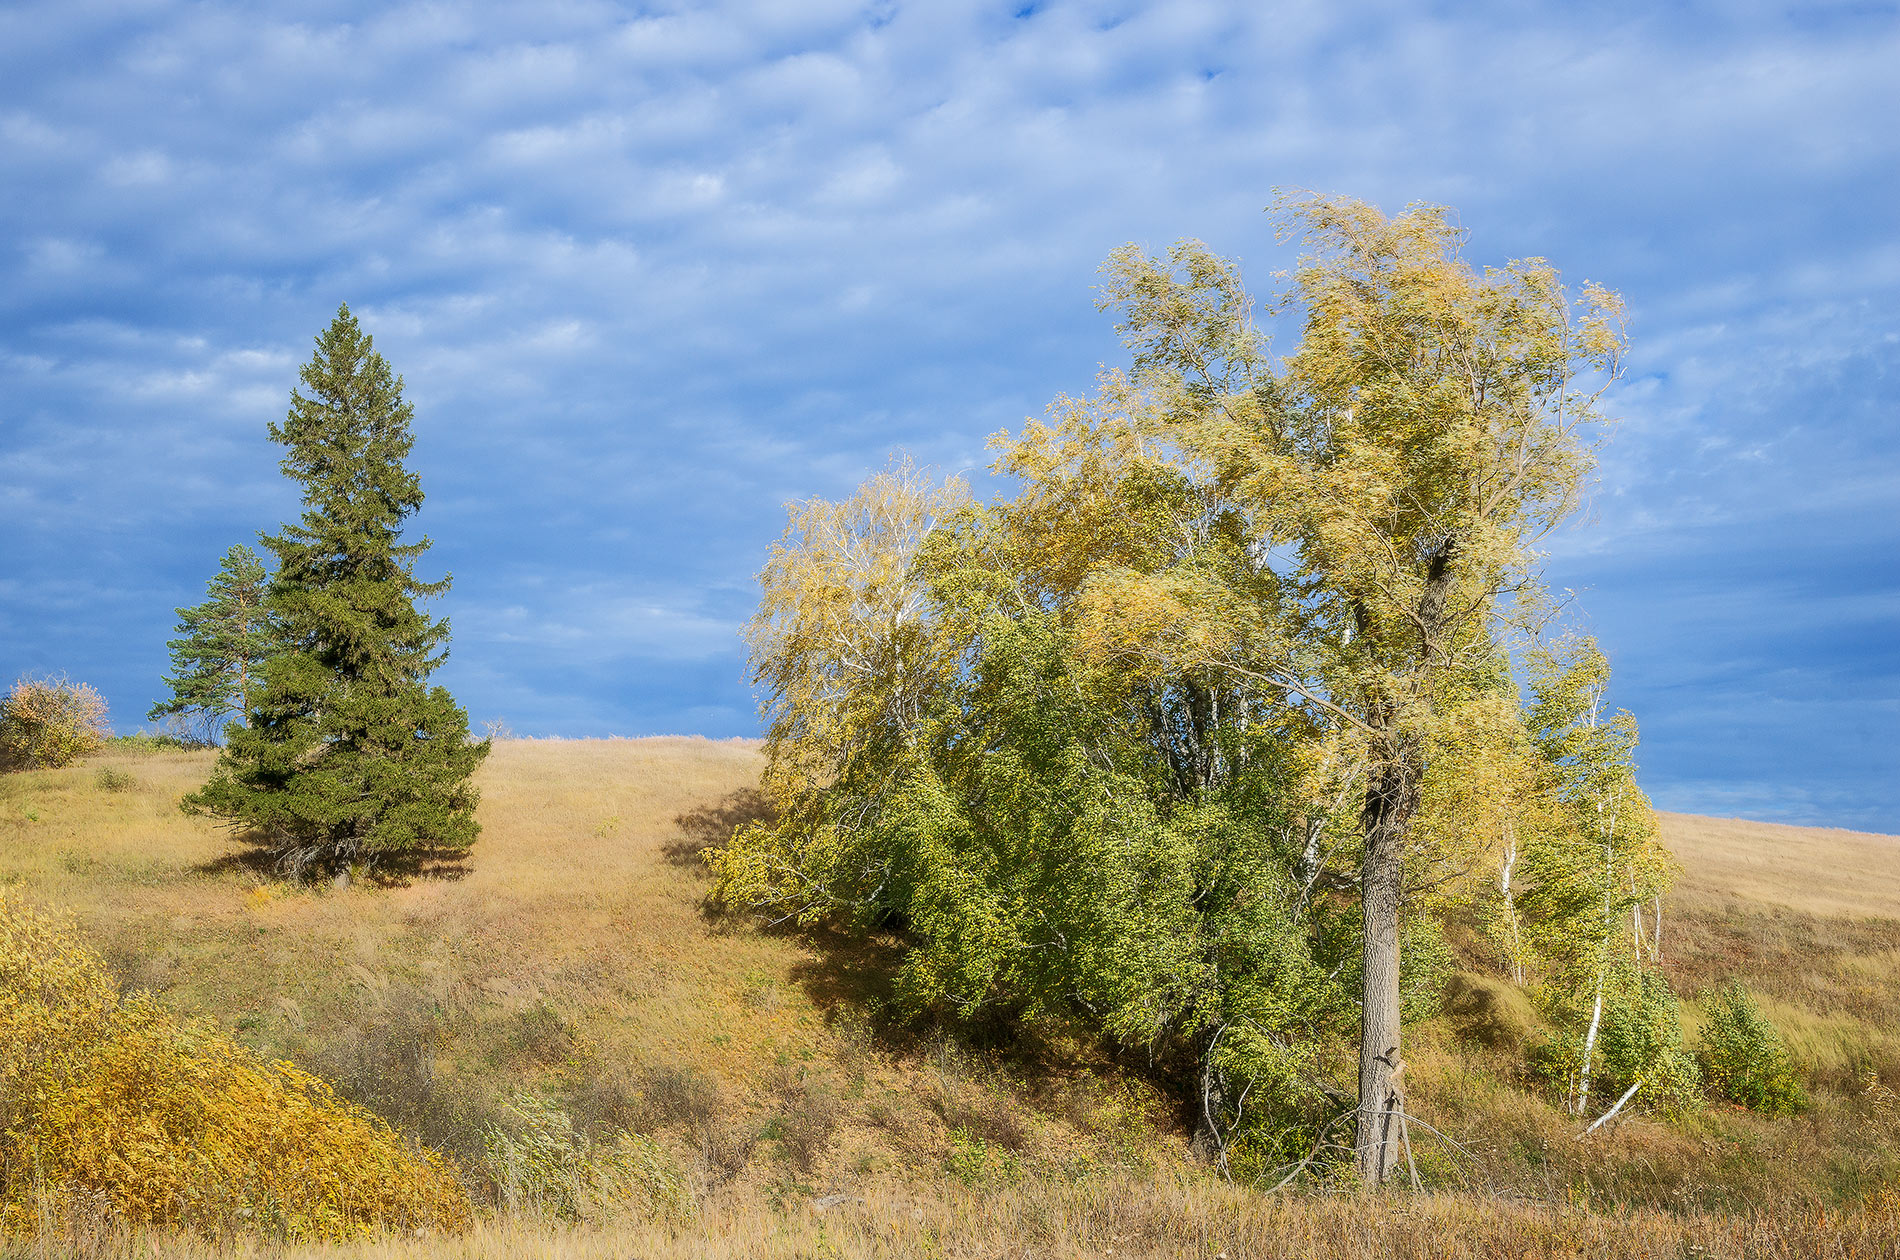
{"points": [[1814, 870], [573, 959]]}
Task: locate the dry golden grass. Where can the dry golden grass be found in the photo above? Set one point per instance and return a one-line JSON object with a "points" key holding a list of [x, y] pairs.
{"points": [[569, 900], [573, 957], [1814, 870], [1156, 1218], [1808, 918]]}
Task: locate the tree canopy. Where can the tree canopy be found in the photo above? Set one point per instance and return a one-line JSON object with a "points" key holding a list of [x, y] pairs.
{"points": [[1235, 699]]}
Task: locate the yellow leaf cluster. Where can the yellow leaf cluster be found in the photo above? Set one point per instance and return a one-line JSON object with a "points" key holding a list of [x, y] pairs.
{"points": [[174, 1123], [842, 638]]}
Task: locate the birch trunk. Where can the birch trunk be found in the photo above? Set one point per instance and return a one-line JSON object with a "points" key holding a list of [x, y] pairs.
{"points": [[1589, 1047], [1510, 904]]}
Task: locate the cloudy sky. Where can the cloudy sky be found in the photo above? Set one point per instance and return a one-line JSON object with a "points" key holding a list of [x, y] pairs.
{"points": [[650, 273]]}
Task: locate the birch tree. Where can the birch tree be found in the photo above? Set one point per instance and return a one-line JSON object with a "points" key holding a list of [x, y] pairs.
{"points": [[1434, 422], [1589, 877]]}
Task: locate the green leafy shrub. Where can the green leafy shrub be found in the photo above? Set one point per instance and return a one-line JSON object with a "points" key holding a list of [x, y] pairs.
{"points": [[1742, 1056], [1639, 1038], [46, 723], [152, 743], [111, 779], [1429, 965]]}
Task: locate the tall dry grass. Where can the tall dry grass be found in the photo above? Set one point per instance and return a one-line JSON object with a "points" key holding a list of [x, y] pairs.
{"points": [[1820, 871], [1160, 1218]]}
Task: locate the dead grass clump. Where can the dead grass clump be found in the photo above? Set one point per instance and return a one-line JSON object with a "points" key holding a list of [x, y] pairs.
{"points": [[807, 1119], [762, 993], [538, 1164], [386, 1061], [855, 1042], [969, 1104], [541, 1034], [725, 1150], [604, 1100], [677, 1097]]}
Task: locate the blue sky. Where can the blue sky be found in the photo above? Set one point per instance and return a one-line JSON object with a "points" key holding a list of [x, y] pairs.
{"points": [[652, 272]]}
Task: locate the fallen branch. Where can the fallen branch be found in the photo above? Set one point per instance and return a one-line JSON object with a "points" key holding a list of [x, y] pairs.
{"points": [[1627, 1095], [1407, 1139]]}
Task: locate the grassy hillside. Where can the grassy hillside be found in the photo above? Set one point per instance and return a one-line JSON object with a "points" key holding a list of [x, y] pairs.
{"points": [[1808, 918], [572, 959], [1813, 870]]}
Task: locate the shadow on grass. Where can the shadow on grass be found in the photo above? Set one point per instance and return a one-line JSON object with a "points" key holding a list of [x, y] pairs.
{"points": [[712, 825], [852, 980], [848, 972], [851, 976], [260, 860]]}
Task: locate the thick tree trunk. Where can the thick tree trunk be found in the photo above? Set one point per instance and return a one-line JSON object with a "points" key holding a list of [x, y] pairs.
{"points": [[1391, 800]]}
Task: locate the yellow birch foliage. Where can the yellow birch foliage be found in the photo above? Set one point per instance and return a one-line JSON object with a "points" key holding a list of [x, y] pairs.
{"points": [[841, 640], [172, 1123], [847, 649]]}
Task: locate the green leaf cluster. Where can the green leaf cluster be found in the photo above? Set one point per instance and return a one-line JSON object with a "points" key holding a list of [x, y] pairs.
{"points": [[1742, 1055], [1639, 1040], [1061, 840]]}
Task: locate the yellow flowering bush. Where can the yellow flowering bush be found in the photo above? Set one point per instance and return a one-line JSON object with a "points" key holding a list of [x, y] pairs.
{"points": [[113, 1100]]}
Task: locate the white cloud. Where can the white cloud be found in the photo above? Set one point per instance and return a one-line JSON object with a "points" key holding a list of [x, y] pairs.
{"points": [[648, 275]]}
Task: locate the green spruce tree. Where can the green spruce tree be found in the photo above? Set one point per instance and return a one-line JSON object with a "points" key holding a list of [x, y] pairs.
{"points": [[218, 658], [349, 757]]}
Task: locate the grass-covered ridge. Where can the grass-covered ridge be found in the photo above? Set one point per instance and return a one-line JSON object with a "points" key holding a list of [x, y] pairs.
{"points": [[571, 960]]}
